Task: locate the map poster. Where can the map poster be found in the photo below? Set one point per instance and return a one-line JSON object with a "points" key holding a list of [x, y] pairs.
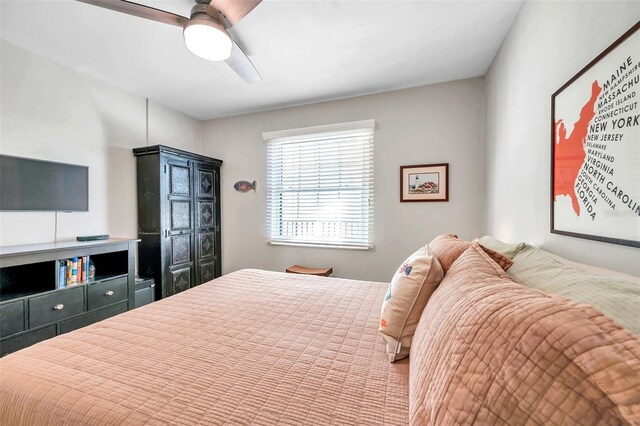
{"points": [[595, 154]]}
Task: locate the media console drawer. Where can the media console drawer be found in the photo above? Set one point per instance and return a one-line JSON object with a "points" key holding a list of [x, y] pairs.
{"points": [[11, 318], [92, 317], [107, 292], [28, 338], [56, 306]]}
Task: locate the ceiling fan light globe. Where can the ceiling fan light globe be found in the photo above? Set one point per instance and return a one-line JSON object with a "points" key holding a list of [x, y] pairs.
{"points": [[208, 39]]}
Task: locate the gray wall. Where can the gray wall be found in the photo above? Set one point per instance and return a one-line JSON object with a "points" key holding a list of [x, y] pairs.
{"points": [[52, 112], [431, 124], [548, 44]]}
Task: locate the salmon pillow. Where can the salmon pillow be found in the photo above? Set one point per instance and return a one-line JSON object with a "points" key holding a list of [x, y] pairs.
{"points": [[408, 294], [448, 248]]}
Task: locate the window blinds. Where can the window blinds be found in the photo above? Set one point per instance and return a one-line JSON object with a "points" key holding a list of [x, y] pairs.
{"points": [[320, 186]]}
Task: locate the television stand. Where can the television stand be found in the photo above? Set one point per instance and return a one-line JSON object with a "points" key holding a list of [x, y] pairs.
{"points": [[35, 305]]}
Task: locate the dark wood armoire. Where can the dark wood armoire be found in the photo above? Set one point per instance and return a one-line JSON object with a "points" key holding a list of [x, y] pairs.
{"points": [[178, 218]]}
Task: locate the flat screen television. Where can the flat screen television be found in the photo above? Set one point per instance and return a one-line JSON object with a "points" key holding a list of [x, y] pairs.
{"points": [[36, 185]]}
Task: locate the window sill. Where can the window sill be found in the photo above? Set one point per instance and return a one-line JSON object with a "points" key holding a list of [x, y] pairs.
{"points": [[329, 246]]}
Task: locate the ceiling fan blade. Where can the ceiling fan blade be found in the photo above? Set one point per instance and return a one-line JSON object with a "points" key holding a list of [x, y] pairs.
{"points": [[233, 10], [240, 63], [140, 10]]}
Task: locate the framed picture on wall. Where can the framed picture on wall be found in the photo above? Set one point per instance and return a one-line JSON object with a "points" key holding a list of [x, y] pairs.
{"points": [[595, 148], [426, 182]]}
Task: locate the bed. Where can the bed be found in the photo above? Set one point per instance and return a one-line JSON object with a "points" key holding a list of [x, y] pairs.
{"points": [[264, 348], [250, 347]]}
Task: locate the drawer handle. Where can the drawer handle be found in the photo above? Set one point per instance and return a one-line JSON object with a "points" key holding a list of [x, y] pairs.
{"points": [[58, 307], [109, 293]]}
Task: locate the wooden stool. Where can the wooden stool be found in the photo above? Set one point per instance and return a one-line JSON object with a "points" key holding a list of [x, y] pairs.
{"points": [[321, 272]]}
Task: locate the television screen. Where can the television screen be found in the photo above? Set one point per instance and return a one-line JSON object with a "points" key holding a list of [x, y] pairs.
{"points": [[35, 185]]}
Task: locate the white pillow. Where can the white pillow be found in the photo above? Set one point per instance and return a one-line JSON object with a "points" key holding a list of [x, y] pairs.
{"points": [[408, 294]]}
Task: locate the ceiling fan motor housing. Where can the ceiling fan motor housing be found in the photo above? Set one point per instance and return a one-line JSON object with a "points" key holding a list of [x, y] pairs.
{"points": [[198, 9], [202, 9]]}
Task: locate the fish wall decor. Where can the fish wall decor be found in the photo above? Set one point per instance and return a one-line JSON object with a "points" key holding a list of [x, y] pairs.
{"points": [[244, 186]]}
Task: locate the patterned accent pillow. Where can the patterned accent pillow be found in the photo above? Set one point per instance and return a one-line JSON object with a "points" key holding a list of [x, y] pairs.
{"points": [[408, 294], [448, 248]]}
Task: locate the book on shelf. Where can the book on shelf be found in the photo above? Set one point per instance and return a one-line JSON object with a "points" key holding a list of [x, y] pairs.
{"points": [[85, 262], [62, 274], [73, 271]]}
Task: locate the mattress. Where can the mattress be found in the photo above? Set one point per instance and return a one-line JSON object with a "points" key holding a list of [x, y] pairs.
{"points": [[251, 347]]}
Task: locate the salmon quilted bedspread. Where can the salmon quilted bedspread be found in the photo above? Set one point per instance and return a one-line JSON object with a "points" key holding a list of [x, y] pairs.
{"points": [[252, 347], [489, 351]]}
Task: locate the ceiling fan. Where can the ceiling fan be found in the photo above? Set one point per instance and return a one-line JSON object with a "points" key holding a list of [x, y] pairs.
{"points": [[205, 32]]}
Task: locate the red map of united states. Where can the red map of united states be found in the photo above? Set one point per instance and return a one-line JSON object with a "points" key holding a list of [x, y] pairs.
{"points": [[569, 151]]}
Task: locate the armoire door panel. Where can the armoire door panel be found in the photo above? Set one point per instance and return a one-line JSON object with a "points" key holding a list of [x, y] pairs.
{"points": [[207, 245], [179, 179], [206, 214], [180, 248], [205, 183], [207, 271], [180, 214], [181, 280]]}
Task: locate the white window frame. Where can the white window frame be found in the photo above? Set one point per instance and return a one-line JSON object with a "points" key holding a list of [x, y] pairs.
{"points": [[314, 134]]}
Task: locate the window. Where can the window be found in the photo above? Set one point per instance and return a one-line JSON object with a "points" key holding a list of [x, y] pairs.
{"points": [[320, 186]]}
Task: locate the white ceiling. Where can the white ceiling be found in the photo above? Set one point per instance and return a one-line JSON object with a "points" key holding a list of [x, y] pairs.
{"points": [[306, 51]]}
